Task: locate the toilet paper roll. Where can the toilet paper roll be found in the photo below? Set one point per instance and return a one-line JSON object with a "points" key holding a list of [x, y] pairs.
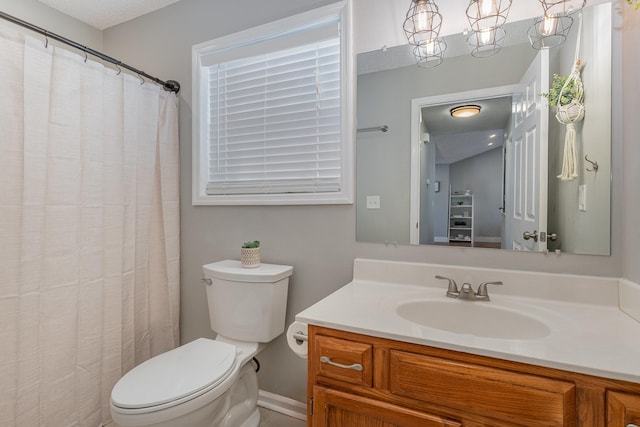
{"points": [[297, 338]]}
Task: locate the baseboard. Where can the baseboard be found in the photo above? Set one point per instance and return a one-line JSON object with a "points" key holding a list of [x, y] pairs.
{"points": [[488, 239], [283, 405]]}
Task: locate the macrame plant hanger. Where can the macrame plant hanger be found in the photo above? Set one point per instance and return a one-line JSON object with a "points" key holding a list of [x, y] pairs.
{"points": [[570, 114]]}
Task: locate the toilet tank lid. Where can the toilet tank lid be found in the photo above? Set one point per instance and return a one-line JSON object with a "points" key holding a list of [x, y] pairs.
{"points": [[232, 270]]}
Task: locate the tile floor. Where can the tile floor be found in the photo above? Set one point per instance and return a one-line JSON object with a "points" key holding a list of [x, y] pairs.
{"points": [[275, 419]]}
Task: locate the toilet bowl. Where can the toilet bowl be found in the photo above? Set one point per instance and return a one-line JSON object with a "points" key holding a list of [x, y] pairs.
{"points": [[211, 383]]}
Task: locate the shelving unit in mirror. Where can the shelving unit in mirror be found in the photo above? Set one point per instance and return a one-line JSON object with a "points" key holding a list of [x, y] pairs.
{"points": [[461, 218]]}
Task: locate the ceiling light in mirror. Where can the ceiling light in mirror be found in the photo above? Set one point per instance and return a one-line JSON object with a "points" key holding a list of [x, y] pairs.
{"points": [[464, 111]]}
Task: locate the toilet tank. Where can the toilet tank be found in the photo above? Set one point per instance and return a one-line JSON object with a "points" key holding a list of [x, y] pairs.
{"points": [[247, 304]]}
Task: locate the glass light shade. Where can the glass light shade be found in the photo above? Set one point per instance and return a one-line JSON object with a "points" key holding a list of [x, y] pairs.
{"points": [[487, 14], [562, 7], [422, 23], [487, 8], [486, 42], [464, 111], [430, 54], [549, 31]]}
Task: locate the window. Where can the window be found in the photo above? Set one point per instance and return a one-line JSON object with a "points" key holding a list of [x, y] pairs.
{"points": [[273, 113]]}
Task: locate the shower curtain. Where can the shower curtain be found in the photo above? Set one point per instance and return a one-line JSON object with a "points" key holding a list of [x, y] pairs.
{"points": [[89, 231]]}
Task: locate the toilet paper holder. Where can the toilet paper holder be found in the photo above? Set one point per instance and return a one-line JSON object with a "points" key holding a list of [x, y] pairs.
{"points": [[300, 337]]}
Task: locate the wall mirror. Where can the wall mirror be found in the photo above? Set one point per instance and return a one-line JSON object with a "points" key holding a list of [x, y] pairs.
{"points": [[489, 181]]}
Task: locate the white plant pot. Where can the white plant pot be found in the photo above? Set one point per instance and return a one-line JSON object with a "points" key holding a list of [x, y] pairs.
{"points": [[250, 257], [570, 113]]}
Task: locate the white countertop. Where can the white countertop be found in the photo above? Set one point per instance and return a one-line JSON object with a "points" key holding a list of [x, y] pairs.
{"points": [[589, 337]]}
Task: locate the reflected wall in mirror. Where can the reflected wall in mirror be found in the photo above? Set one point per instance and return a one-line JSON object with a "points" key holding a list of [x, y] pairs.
{"points": [[510, 193]]}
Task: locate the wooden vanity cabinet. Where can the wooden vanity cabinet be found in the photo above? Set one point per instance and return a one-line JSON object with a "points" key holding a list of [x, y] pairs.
{"points": [[623, 409], [362, 381]]}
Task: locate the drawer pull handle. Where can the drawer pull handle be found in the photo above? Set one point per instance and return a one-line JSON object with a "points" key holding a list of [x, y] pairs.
{"points": [[355, 366], [631, 425]]}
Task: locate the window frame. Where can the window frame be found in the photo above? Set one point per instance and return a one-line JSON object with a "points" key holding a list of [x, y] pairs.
{"points": [[200, 150]]}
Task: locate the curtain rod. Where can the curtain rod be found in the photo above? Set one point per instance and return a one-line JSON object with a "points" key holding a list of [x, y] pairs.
{"points": [[169, 85]]}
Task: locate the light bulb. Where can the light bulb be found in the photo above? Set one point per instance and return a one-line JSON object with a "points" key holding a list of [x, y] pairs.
{"points": [[548, 25], [422, 19], [487, 8], [430, 48], [485, 36]]}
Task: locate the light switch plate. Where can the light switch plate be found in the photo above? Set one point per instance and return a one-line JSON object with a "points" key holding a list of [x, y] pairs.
{"points": [[373, 202], [582, 198]]}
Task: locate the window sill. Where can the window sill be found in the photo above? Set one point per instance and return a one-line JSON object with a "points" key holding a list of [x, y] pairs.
{"points": [[273, 199]]}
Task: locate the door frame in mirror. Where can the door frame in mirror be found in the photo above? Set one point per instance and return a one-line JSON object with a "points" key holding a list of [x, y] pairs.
{"points": [[416, 129]]}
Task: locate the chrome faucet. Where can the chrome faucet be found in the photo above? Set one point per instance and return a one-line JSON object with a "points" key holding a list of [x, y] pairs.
{"points": [[466, 291], [452, 292]]}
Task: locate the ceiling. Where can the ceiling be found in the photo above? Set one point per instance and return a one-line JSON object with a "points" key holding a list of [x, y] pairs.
{"points": [[103, 14], [458, 139]]}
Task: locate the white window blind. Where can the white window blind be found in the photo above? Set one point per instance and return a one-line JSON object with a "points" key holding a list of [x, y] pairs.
{"points": [[275, 122]]}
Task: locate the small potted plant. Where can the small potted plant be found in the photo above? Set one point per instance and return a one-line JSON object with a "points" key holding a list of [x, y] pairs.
{"points": [[559, 97], [250, 254]]}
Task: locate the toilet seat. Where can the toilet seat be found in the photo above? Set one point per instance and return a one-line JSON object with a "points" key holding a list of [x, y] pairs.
{"points": [[174, 377]]}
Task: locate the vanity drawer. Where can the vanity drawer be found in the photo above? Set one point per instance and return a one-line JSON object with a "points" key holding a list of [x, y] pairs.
{"points": [[343, 360], [521, 399]]}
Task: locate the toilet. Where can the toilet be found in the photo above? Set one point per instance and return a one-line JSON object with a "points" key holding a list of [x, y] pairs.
{"points": [[211, 383]]}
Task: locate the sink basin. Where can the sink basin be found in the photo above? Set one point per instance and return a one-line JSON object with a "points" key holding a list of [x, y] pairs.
{"points": [[473, 318]]}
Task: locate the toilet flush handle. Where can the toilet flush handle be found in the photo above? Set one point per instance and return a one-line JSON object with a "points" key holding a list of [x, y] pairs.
{"points": [[208, 281]]}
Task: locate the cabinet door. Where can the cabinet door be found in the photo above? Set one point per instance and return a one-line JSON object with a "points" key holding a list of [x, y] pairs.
{"points": [[623, 409], [332, 408]]}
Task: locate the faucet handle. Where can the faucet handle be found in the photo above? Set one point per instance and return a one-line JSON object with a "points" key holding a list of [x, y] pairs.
{"points": [[482, 289], [452, 292]]}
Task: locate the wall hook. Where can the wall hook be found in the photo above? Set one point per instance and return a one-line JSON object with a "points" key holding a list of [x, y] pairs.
{"points": [[594, 164]]}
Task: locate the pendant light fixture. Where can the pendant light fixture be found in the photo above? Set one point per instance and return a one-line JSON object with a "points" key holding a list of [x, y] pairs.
{"points": [[562, 7], [422, 28], [487, 18], [486, 42], [548, 32], [431, 54], [553, 27]]}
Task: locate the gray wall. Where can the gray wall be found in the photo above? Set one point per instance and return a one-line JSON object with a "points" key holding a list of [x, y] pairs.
{"points": [[440, 217], [160, 43], [482, 174], [427, 195], [50, 19], [569, 223]]}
